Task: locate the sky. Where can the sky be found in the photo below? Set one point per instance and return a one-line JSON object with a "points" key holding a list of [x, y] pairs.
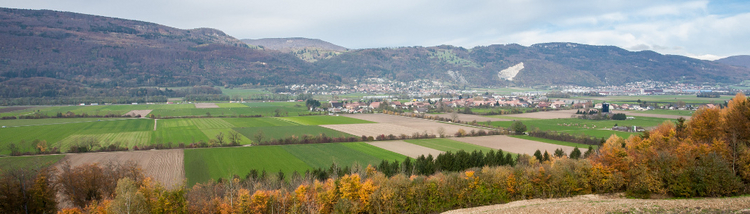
{"points": [[700, 29]]}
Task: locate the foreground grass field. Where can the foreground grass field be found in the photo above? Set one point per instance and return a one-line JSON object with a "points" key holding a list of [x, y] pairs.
{"points": [[204, 164]]}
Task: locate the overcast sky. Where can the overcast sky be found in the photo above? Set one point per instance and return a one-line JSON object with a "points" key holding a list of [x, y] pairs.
{"points": [[701, 29]]}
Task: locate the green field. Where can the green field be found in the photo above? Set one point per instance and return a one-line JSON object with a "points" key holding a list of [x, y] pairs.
{"points": [[686, 113], [280, 132], [323, 155], [446, 145], [266, 111], [581, 126], [7, 163], [258, 122], [55, 121], [204, 164], [324, 120], [660, 98], [95, 110]]}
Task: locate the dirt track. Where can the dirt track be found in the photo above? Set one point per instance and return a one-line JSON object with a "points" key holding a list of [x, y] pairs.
{"points": [[206, 105], [616, 203], [405, 148], [515, 145], [134, 113], [165, 166]]}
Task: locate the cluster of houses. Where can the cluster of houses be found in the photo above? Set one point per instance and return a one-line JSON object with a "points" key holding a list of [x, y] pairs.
{"points": [[423, 105]]}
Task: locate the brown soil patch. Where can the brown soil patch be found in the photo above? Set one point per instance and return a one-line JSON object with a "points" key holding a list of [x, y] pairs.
{"points": [[165, 166], [397, 125], [616, 203], [15, 108], [206, 105], [515, 145], [471, 117], [404, 148], [134, 113]]}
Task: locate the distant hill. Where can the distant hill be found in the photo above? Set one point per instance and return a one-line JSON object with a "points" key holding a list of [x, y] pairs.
{"points": [[543, 64], [297, 43], [741, 60], [310, 50], [50, 53], [105, 52]]}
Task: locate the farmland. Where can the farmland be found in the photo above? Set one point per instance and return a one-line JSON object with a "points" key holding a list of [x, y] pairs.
{"points": [[446, 145], [204, 164], [126, 132], [7, 163], [596, 128]]}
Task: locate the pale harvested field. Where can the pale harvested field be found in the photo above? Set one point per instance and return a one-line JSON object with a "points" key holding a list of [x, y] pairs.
{"points": [[546, 114], [206, 105], [134, 113], [405, 148], [165, 166], [471, 117], [396, 125], [515, 145], [616, 203], [373, 129]]}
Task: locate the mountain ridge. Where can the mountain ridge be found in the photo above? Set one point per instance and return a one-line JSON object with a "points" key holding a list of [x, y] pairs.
{"points": [[70, 50]]}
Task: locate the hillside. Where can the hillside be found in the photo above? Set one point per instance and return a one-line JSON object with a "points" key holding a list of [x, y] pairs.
{"points": [[741, 60], [104, 52], [543, 64], [310, 50], [61, 54]]}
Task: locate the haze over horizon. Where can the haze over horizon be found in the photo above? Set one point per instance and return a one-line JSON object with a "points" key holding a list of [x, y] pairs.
{"points": [[699, 29]]}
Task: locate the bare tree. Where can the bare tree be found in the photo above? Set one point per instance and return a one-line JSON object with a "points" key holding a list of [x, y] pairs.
{"points": [[441, 132], [234, 138], [259, 136], [220, 138], [454, 115]]}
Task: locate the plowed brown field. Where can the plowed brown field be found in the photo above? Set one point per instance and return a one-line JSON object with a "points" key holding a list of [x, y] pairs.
{"points": [[165, 166], [515, 145]]}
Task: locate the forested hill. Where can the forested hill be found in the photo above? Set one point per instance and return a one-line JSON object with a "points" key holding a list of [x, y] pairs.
{"points": [[69, 54], [741, 61], [107, 52]]}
